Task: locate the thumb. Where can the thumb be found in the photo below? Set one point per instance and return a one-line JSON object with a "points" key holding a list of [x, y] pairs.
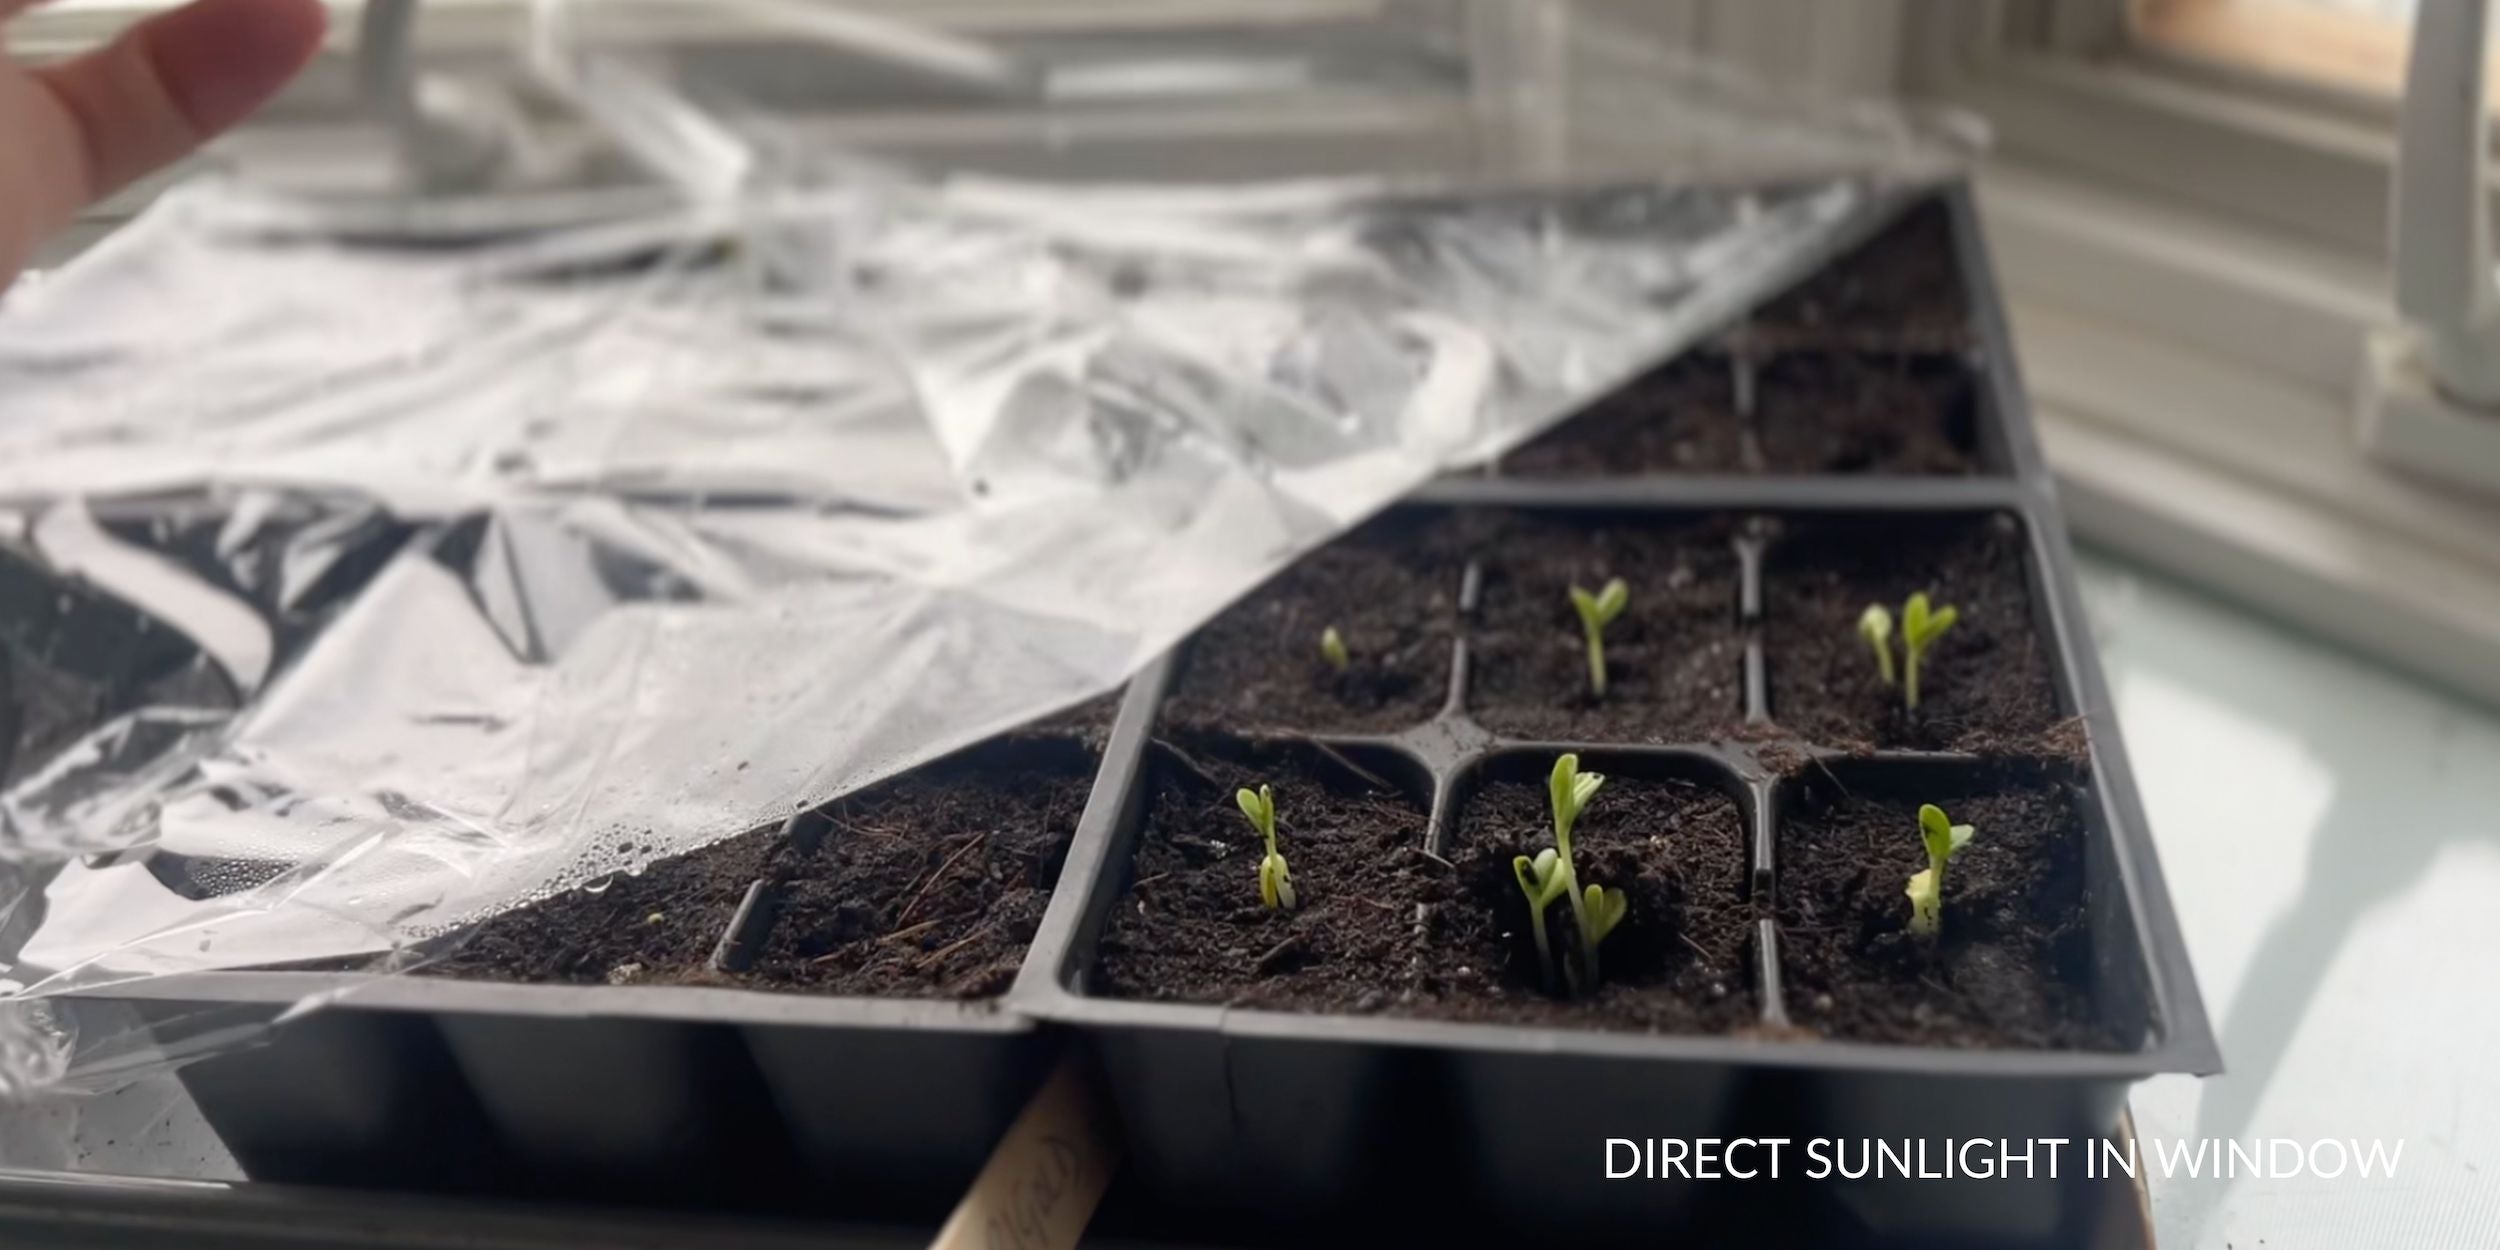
{"points": [[169, 83]]}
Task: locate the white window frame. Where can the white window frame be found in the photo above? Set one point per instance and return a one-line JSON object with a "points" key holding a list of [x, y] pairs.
{"points": [[2196, 257]]}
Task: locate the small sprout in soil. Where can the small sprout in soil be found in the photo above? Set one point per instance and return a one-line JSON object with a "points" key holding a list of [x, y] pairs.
{"points": [[1943, 839], [1875, 626], [1598, 611], [1595, 910], [655, 918], [1332, 649], [1275, 883], [1921, 626]]}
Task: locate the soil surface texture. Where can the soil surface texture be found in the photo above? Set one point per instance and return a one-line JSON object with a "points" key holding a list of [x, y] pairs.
{"points": [[1191, 926], [927, 885], [1089, 722], [1848, 413], [1674, 659], [1903, 290], [1814, 412], [1678, 962], [931, 885], [1678, 418], [655, 927], [1983, 686], [1391, 591], [1383, 927], [2010, 966]]}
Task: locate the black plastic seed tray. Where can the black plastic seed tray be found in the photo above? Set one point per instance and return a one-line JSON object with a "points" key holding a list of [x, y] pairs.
{"points": [[1251, 1111], [720, 1095], [1247, 1121], [44, 1208]]}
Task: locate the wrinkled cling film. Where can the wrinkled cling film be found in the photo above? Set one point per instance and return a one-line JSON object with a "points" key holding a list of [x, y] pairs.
{"points": [[353, 590]]}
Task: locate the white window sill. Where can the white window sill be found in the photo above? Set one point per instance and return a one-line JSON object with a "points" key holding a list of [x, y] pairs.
{"points": [[2194, 381]]}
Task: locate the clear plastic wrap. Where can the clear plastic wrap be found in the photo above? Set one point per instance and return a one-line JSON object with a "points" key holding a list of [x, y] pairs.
{"points": [[358, 586]]}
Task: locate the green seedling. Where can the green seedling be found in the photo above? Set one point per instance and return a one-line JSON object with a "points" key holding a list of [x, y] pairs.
{"points": [[1875, 626], [1598, 611], [1944, 839], [1275, 882], [1595, 910], [1921, 626], [1332, 649]]}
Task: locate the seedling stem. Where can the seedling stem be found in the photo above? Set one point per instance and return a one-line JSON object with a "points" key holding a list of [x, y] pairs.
{"points": [[1595, 910], [1597, 611], [1875, 626], [1943, 840], [1332, 649], [1275, 882], [1920, 628]]}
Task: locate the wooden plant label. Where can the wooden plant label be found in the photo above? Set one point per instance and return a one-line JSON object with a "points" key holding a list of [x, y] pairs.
{"points": [[1041, 1185]]}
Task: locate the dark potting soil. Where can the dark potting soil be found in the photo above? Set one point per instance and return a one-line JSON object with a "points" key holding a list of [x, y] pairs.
{"points": [[1677, 963], [1678, 418], [1851, 413], [1814, 412], [1900, 291], [1191, 926], [1383, 927], [1674, 659], [655, 927], [2011, 964], [1983, 687], [660, 926], [931, 885], [1089, 722], [1391, 590]]}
